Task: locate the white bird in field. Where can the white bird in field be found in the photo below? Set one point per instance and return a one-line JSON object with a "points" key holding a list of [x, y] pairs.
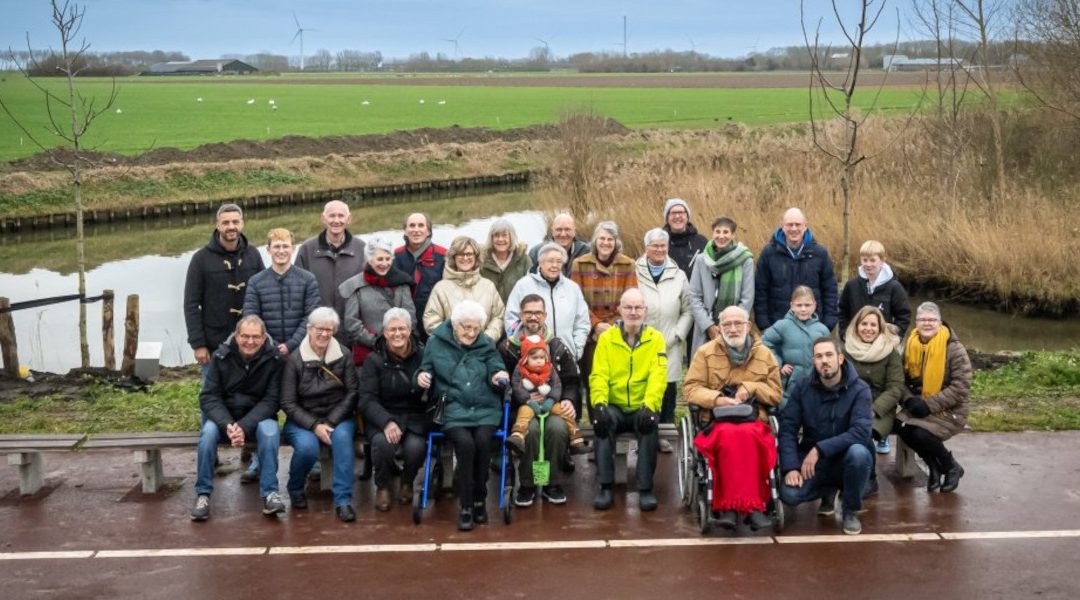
{"points": [[421, 101], [199, 99], [251, 101], [274, 107], [442, 101], [270, 102], [364, 103], [119, 111]]}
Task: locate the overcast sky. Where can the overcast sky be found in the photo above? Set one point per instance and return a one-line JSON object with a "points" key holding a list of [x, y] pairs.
{"points": [[398, 28]]}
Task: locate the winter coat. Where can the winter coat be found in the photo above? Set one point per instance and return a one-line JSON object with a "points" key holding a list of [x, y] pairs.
{"points": [[780, 271], [830, 420], [463, 374], [283, 302], [504, 279], [239, 391], [426, 270], [310, 395], [684, 247], [332, 267], [464, 285], [388, 390], [603, 286], [567, 313], [579, 248], [629, 378], [520, 394], [886, 380], [711, 370], [562, 358], [888, 296], [949, 407], [366, 305], [703, 296], [667, 310], [214, 290], [792, 341]]}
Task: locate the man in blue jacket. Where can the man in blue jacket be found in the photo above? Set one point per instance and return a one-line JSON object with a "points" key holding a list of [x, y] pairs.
{"points": [[790, 259], [832, 409]]}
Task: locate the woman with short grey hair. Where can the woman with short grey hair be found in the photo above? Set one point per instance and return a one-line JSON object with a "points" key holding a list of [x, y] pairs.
{"points": [[506, 259], [369, 294]]}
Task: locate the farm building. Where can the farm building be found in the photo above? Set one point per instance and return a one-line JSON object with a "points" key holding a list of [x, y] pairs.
{"points": [[201, 67], [900, 62]]}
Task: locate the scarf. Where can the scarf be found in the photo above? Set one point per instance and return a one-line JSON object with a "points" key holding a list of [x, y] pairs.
{"points": [[373, 278], [656, 270], [873, 352], [725, 265], [539, 377], [739, 357], [927, 361]]}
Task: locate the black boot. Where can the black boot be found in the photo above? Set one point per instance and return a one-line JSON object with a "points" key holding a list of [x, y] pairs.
{"points": [[465, 519], [933, 480], [952, 475], [479, 510]]}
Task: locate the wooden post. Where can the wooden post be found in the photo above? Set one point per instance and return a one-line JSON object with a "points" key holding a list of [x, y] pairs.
{"points": [[131, 335], [108, 340], [9, 349]]}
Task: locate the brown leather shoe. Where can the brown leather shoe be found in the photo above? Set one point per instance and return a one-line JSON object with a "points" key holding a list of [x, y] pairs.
{"points": [[382, 500], [405, 494]]}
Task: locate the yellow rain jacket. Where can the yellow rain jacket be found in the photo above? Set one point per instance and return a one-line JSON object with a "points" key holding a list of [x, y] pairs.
{"points": [[628, 378]]}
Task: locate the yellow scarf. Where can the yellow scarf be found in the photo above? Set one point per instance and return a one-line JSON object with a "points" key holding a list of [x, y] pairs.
{"points": [[927, 360]]}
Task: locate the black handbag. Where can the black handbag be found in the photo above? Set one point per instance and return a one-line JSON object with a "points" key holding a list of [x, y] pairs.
{"points": [[438, 411]]}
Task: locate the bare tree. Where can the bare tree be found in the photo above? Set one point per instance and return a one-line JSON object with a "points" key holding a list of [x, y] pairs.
{"points": [[1048, 38], [70, 116], [584, 157]]}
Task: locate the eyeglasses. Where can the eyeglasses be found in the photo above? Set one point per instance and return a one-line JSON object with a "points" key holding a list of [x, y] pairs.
{"points": [[927, 320], [532, 313], [398, 329], [552, 261], [467, 254], [733, 324], [634, 308], [468, 328], [250, 338], [323, 330], [674, 212]]}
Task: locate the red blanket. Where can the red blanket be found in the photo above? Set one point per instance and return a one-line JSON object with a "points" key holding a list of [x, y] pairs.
{"points": [[741, 455]]}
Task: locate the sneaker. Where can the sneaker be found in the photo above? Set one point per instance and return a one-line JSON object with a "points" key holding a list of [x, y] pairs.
{"points": [[647, 501], [883, 446], [479, 511], [554, 494], [201, 510], [525, 496], [852, 525], [251, 475], [666, 447], [465, 520], [298, 500], [346, 513], [828, 505], [273, 504], [516, 444]]}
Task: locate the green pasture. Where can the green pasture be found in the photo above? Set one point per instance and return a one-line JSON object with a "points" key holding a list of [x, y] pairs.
{"points": [[164, 112]]}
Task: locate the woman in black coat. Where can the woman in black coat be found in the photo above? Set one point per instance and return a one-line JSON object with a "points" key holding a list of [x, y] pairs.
{"points": [[393, 405]]}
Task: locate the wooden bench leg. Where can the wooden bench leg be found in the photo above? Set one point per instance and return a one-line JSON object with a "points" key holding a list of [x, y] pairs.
{"points": [[31, 471], [153, 477], [326, 464], [905, 460], [622, 450]]}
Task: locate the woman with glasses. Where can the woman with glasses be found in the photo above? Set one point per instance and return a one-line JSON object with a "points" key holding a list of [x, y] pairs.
{"points": [[462, 281], [370, 294]]}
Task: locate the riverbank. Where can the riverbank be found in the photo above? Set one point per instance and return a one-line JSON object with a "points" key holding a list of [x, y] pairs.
{"points": [[1010, 392]]}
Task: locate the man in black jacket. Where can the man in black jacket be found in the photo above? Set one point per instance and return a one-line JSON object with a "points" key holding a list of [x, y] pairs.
{"points": [[790, 259], [239, 401], [684, 243], [556, 435], [832, 409], [216, 281]]}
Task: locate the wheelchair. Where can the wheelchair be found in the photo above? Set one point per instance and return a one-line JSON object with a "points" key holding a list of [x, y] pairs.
{"points": [[434, 468], [696, 478]]}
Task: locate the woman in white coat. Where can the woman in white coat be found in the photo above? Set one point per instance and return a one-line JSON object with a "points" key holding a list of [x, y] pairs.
{"points": [[667, 300]]}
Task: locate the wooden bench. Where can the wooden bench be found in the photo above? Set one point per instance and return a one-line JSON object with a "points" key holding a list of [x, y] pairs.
{"points": [[668, 431], [24, 451]]}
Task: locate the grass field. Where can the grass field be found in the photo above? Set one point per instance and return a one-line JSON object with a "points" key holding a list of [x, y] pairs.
{"points": [[165, 112]]}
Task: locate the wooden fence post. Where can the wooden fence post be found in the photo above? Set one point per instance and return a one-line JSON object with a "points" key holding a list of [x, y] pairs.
{"points": [[131, 335], [108, 340], [9, 348]]}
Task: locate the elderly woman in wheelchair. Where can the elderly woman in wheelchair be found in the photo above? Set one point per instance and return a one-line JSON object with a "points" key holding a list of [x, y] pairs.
{"points": [[731, 384]]}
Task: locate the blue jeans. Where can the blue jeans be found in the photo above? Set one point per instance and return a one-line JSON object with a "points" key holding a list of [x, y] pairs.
{"points": [[267, 437], [306, 452], [850, 472]]}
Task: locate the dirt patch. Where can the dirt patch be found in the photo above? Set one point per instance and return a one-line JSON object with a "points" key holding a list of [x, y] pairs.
{"points": [[73, 383], [294, 146]]}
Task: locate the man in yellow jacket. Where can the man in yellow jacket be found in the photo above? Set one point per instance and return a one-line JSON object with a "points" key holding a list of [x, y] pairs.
{"points": [[626, 390]]}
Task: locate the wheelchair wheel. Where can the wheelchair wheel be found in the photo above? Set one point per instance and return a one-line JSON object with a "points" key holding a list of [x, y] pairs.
{"points": [[704, 516], [508, 513], [686, 463], [417, 511], [778, 517]]}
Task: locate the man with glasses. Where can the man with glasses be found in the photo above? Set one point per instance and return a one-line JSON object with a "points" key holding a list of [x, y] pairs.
{"points": [[564, 233], [626, 390]]}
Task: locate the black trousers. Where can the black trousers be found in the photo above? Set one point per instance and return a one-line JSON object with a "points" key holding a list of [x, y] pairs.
{"points": [[928, 446], [412, 445], [667, 409], [472, 447], [604, 448]]}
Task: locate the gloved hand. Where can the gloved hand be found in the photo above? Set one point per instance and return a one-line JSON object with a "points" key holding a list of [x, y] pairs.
{"points": [[546, 405], [603, 420], [917, 407], [535, 406], [646, 420]]}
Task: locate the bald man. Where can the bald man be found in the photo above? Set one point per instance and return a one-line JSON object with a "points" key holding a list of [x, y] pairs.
{"points": [[564, 233], [790, 259], [333, 256]]}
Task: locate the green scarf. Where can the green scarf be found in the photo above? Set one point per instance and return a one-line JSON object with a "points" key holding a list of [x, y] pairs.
{"points": [[726, 267]]}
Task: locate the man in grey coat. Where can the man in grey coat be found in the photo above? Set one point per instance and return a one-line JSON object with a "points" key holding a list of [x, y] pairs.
{"points": [[333, 256]]}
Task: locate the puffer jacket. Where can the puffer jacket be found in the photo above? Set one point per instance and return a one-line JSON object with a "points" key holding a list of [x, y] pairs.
{"points": [[603, 286], [792, 341], [331, 268], [214, 290], [504, 279], [684, 247], [239, 391], [426, 270], [388, 390], [886, 380], [567, 313], [562, 359], [579, 248], [318, 390], [703, 297], [887, 295], [668, 310], [456, 286], [711, 370], [283, 302], [949, 407], [366, 305], [831, 420], [629, 378], [780, 271], [463, 374]]}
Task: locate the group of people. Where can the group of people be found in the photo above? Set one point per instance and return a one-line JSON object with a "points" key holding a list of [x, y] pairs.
{"points": [[377, 344]]}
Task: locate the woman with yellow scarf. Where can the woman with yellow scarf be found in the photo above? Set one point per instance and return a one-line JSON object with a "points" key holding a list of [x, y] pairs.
{"points": [[937, 374]]}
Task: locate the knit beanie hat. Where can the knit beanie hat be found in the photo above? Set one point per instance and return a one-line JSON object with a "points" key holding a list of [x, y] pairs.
{"points": [[530, 343], [672, 203]]}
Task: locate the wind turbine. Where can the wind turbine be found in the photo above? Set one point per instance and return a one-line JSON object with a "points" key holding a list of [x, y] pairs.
{"points": [[547, 47], [300, 34], [454, 40], [693, 48]]}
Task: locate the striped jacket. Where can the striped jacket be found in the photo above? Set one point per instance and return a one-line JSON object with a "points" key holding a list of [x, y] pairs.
{"points": [[603, 286]]}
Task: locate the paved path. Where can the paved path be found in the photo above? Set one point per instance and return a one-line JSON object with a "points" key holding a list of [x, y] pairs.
{"points": [[1012, 530]]}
